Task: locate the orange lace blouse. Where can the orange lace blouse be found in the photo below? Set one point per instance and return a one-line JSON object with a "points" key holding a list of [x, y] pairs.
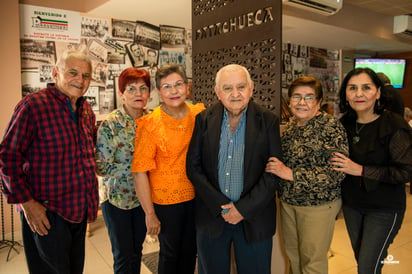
{"points": [[161, 146]]}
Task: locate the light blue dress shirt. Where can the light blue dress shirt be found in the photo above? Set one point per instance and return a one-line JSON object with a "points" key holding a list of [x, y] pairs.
{"points": [[231, 157]]}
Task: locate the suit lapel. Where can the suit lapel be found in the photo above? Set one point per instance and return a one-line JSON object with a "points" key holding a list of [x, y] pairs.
{"points": [[252, 128], [214, 124]]}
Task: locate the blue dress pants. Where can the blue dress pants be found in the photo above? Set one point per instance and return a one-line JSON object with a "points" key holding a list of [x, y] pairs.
{"points": [[251, 258]]}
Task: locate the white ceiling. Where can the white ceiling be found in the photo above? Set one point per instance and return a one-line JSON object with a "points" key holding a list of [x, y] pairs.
{"points": [[299, 26], [361, 25], [365, 26], [388, 7]]}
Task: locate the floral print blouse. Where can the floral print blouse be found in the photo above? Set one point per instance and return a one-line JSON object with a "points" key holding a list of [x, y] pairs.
{"points": [[114, 155], [307, 150]]}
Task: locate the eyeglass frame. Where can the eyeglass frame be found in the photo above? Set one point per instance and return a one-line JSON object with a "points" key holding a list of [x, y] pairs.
{"points": [[178, 85], [296, 98]]}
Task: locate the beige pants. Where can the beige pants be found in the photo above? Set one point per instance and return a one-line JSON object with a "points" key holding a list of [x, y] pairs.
{"points": [[307, 232]]}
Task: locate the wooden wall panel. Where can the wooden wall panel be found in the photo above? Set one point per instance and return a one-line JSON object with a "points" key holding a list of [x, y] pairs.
{"points": [[238, 31]]}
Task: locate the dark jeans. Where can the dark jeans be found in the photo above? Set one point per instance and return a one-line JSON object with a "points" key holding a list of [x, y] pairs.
{"points": [[371, 233], [61, 251], [251, 258], [127, 231], [177, 238]]}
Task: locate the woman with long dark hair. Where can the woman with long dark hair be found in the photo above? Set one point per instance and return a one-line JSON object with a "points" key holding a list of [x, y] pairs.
{"points": [[378, 166]]}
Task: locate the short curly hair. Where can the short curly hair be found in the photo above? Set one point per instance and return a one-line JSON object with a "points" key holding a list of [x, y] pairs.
{"points": [[132, 75]]}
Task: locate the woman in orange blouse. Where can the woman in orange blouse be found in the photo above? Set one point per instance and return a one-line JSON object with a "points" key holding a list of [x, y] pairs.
{"points": [[159, 170]]}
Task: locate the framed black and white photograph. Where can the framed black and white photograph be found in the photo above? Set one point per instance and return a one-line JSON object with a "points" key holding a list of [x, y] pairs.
{"points": [[114, 70], [123, 29], [303, 51], [172, 37], [151, 57], [92, 27], [98, 50], [147, 35], [92, 96], [106, 98], [35, 53], [116, 57], [136, 54], [168, 56], [45, 73], [30, 82], [99, 74], [116, 53]]}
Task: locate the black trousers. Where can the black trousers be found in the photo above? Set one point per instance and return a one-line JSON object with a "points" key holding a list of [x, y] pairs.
{"points": [[61, 251], [177, 238]]}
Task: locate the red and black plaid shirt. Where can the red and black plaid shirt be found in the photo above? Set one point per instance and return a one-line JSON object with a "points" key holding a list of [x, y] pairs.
{"points": [[46, 156]]}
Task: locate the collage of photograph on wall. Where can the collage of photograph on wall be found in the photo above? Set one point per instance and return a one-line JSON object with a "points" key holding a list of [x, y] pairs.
{"points": [[113, 45]]}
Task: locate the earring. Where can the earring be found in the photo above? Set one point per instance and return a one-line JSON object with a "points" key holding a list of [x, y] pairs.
{"points": [[379, 103]]}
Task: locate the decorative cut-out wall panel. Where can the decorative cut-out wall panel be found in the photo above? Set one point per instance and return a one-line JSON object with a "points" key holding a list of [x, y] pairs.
{"points": [[237, 31]]}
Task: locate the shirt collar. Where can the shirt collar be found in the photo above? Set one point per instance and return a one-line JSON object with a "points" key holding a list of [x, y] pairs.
{"points": [[226, 113], [51, 87], [127, 117]]}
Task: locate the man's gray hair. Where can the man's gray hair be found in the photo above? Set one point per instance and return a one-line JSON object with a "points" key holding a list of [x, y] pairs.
{"points": [[232, 67], [79, 55]]}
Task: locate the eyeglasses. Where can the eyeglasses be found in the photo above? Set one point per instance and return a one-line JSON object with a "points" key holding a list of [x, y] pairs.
{"points": [[133, 90], [179, 85], [308, 99]]}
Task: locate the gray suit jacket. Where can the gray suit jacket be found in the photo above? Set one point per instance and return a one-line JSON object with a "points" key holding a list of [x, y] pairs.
{"points": [[257, 203]]}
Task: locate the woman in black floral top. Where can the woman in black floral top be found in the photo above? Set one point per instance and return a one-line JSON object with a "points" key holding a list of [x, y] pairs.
{"points": [[310, 192]]}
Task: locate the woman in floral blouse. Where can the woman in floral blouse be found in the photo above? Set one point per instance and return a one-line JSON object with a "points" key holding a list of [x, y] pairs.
{"points": [[122, 213], [310, 192]]}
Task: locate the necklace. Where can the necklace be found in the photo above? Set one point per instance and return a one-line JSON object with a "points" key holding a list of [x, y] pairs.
{"points": [[356, 138]]}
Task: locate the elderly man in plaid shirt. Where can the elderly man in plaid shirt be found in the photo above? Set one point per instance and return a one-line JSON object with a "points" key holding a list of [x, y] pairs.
{"points": [[47, 167]]}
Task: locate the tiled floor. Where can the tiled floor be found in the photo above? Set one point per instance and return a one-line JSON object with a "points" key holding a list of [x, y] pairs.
{"points": [[98, 253], [343, 261], [99, 258]]}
